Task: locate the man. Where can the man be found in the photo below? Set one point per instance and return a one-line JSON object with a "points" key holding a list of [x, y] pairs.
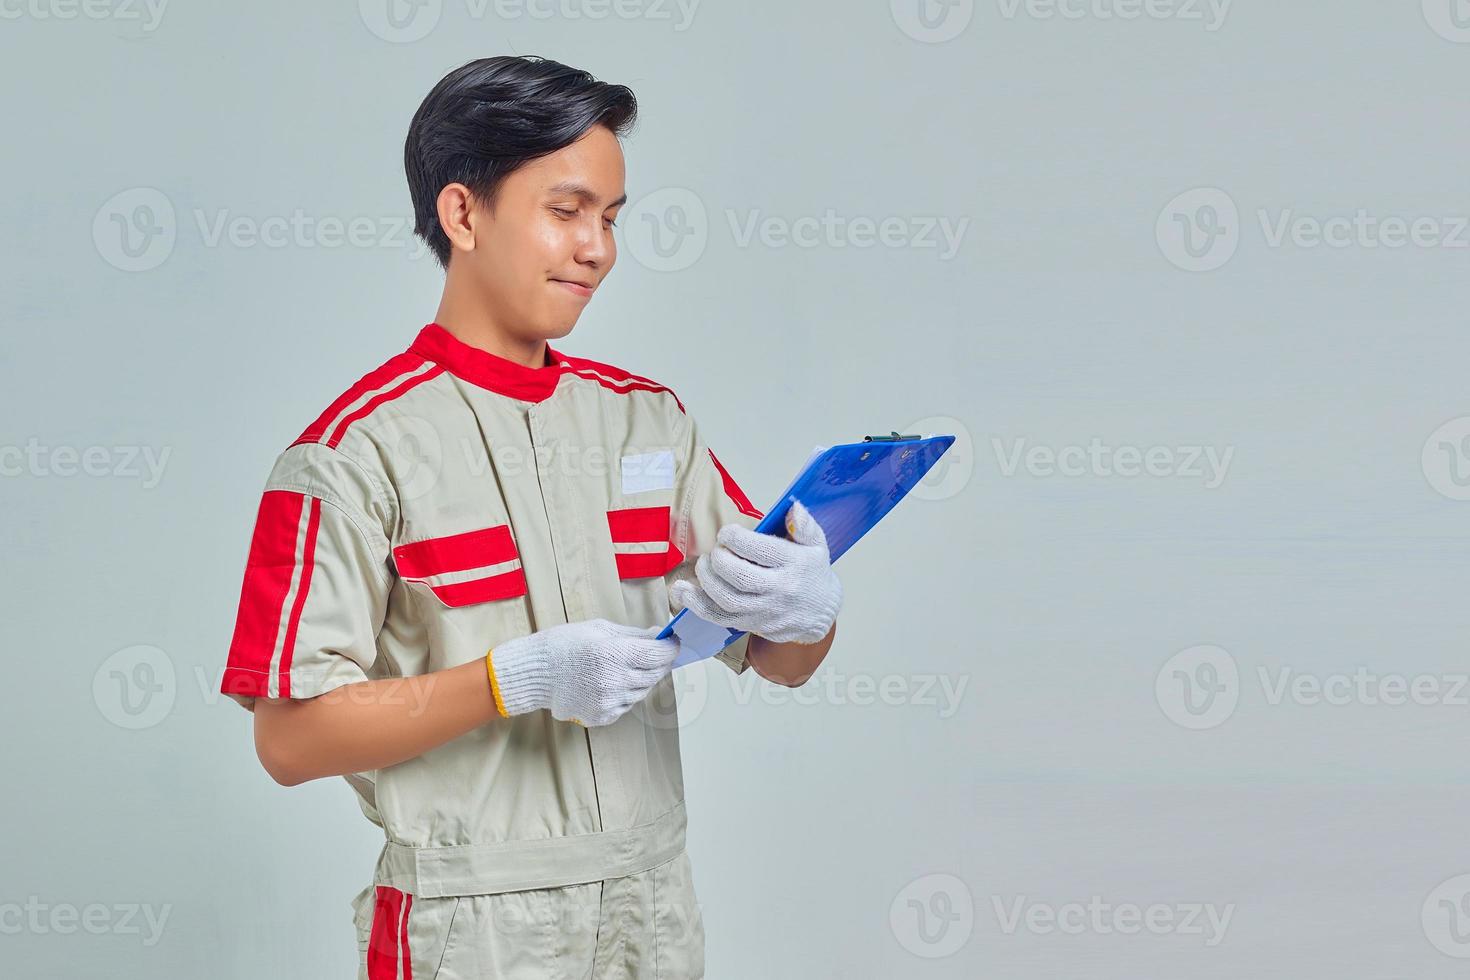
{"points": [[458, 571]]}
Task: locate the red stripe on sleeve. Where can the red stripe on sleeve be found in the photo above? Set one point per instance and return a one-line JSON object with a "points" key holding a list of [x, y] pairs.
{"points": [[268, 571], [308, 561]]}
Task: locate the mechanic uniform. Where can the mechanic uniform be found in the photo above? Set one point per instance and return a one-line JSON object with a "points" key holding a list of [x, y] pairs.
{"points": [[447, 502]]}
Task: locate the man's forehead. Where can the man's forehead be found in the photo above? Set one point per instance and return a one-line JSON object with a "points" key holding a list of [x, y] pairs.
{"points": [[590, 169]]}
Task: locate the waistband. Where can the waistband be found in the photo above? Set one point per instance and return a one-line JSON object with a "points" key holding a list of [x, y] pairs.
{"points": [[520, 865]]}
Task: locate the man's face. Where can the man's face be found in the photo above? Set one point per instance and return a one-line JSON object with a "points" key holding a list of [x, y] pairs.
{"points": [[548, 243]]}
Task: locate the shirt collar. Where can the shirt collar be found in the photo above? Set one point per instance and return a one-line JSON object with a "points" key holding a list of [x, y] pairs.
{"points": [[487, 370]]}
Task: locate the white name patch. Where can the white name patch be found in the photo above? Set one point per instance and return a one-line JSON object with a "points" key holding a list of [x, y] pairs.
{"points": [[648, 471]]}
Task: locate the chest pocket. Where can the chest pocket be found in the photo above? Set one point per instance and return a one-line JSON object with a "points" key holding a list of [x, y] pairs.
{"points": [[464, 569], [642, 541], [640, 525], [468, 592]]}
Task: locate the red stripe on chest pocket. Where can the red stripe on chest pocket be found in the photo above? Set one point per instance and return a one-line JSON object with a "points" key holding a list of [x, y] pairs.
{"points": [[456, 552], [643, 525], [422, 560]]}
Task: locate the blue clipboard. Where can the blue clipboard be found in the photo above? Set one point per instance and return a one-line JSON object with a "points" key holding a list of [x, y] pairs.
{"points": [[848, 489]]}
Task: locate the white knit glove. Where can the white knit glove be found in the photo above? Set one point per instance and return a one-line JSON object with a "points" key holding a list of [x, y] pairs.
{"points": [[589, 672], [773, 587]]}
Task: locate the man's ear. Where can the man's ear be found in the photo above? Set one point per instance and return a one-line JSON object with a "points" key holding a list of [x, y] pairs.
{"points": [[456, 216]]}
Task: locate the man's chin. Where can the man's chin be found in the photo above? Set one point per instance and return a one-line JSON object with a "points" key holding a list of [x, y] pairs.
{"points": [[557, 329]]}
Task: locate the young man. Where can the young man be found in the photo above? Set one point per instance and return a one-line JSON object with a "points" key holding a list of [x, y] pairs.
{"points": [[458, 570]]}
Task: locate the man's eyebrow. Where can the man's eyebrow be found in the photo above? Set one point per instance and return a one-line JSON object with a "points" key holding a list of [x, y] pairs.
{"points": [[582, 191]]}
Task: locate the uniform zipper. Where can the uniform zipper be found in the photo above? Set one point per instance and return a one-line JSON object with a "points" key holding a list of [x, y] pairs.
{"points": [[541, 490]]}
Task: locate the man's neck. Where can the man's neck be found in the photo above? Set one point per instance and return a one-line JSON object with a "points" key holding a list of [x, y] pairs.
{"points": [[477, 329]]}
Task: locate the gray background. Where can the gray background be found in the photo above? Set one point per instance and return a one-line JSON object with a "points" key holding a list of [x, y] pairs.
{"points": [[852, 834]]}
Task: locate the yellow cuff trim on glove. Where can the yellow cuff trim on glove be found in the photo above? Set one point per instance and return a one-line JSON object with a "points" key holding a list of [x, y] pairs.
{"points": [[494, 684]]}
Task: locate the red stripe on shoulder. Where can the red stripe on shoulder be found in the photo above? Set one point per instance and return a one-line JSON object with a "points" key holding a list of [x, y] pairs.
{"points": [[615, 378], [397, 391], [374, 379]]}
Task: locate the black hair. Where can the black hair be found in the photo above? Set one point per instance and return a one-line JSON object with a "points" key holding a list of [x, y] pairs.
{"points": [[487, 118]]}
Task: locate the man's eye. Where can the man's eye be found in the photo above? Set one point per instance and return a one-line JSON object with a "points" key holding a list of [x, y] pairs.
{"points": [[564, 212], [612, 222]]}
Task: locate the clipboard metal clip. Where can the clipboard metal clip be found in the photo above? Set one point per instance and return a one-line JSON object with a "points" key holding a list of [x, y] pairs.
{"points": [[893, 437]]}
